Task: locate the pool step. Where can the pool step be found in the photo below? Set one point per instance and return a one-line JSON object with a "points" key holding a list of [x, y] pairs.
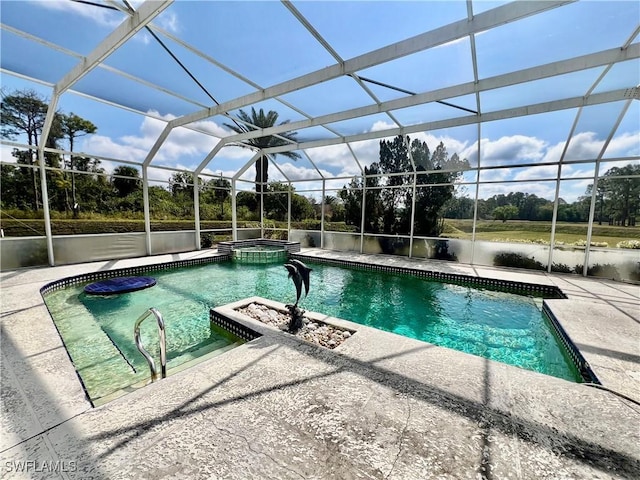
{"points": [[204, 353], [92, 352], [199, 356]]}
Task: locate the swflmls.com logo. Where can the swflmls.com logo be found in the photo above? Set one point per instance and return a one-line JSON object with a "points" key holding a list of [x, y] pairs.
{"points": [[39, 467]]}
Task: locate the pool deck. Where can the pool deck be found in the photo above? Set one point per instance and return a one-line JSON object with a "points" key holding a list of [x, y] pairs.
{"points": [[380, 406]]}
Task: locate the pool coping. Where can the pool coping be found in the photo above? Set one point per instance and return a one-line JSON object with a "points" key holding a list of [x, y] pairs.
{"points": [[541, 423], [511, 286], [227, 317], [126, 271], [516, 287], [571, 351]]}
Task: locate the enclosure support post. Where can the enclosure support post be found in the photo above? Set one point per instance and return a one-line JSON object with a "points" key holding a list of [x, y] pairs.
{"points": [[45, 207], [262, 210], [324, 183], [413, 194], [145, 202], [592, 210], [196, 208], [289, 212], [475, 203], [364, 205], [413, 214], [44, 135], [234, 215], [554, 218]]}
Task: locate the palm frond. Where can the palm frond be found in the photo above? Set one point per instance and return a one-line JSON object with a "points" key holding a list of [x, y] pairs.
{"points": [[258, 120]]}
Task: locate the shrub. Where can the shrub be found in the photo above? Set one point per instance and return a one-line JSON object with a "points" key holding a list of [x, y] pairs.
{"points": [[206, 240], [310, 241], [442, 251], [606, 271], [539, 241], [583, 243], [561, 268], [635, 273], [629, 244], [508, 259]]}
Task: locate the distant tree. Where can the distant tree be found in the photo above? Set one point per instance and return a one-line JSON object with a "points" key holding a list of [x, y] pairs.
{"points": [[15, 182], [505, 212], [545, 213], [181, 187], [256, 121], [181, 183], [622, 195], [389, 209], [458, 207], [394, 159], [24, 113], [276, 203], [247, 200], [334, 210], [161, 203], [126, 186], [437, 187], [73, 126], [221, 192], [351, 196]]}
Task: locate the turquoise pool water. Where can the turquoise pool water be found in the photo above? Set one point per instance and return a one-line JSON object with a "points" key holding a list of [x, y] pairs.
{"points": [[501, 326]]}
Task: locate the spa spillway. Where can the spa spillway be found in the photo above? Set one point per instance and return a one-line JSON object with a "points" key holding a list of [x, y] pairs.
{"points": [[260, 254]]}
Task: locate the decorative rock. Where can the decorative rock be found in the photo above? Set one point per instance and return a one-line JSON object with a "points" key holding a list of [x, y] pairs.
{"points": [[319, 333]]}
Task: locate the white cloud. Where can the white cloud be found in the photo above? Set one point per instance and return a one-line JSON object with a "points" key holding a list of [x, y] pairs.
{"points": [[546, 171], [297, 172], [107, 147], [102, 16], [109, 18], [169, 21], [182, 144], [381, 125], [577, 171], [584, 145], [626, 144], [186, 148], [368, 151], [511, 149], [497, 175], [540, 189], [6, 154], [217, 173]]}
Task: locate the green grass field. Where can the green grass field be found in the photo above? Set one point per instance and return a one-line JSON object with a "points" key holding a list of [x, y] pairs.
{"points": [[487, 230], [533, 231]]}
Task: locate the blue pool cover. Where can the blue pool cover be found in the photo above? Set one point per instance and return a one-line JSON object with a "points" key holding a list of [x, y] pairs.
{"points": [[119, 285]]}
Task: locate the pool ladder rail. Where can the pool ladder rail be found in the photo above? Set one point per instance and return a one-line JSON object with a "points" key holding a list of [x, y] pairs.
{"points": [[163, 343]]}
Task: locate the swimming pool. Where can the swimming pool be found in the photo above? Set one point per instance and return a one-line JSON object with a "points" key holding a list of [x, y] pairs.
{"points": [[98, 331]]}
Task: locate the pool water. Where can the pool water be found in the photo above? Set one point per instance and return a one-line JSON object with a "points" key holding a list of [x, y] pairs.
{"points": [[500, 326]]}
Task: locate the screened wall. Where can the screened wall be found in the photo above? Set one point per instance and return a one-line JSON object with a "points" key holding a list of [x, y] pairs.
{"points": [[489, 133]]}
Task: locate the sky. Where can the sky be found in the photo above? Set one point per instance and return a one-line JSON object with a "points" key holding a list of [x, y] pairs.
{"points": [[263, 44]]}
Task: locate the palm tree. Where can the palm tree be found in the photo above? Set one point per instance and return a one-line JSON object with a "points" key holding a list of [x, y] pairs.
{"points": [[257, 121]]}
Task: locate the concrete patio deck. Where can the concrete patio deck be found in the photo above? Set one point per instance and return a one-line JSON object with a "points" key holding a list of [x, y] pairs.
{"points": [[380, 406]]}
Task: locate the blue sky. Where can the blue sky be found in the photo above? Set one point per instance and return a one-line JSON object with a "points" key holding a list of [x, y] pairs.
{"points": [[264, 43]]}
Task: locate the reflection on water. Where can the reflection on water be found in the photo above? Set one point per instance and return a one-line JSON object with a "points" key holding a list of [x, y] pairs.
{"points": [[501, 326]]}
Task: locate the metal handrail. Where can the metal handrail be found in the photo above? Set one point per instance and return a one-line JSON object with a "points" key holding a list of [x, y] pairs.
{"points": [[163, 343]]}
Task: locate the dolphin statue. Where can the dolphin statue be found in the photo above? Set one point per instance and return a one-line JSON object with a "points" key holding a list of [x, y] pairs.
{"points": [[297, 279], [304, 271]]}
